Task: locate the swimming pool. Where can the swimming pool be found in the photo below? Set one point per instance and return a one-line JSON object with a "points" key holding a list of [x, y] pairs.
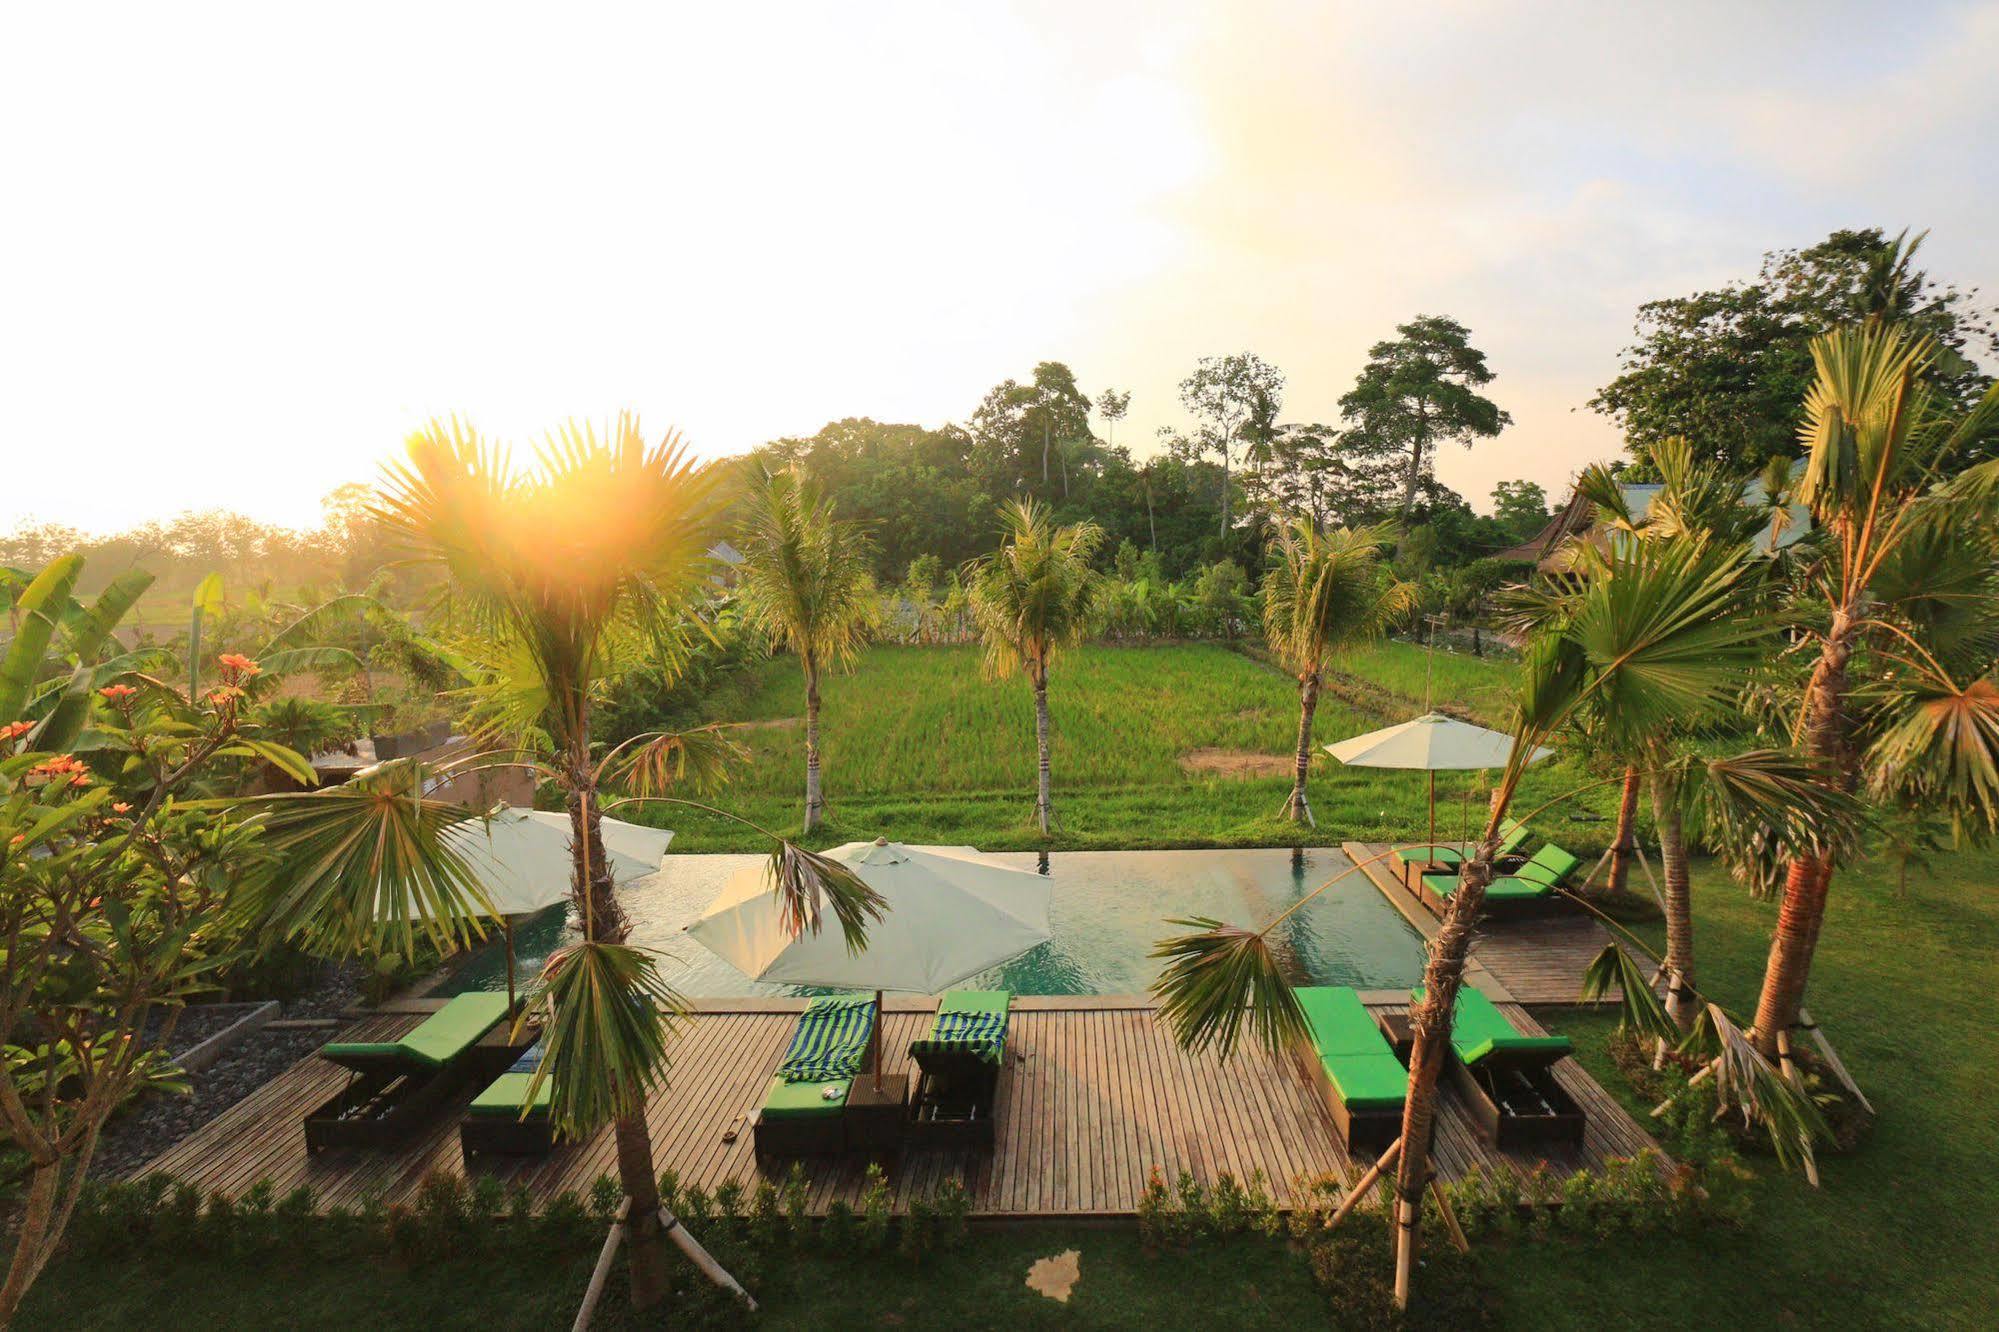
{"points": [[1108, 908]]}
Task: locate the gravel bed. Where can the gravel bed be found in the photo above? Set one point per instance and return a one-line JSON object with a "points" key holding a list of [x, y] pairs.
{"points": [[159, 1120]]}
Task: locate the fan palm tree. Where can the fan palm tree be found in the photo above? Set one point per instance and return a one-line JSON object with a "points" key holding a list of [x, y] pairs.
{"points": [[1030, 598], [1658, 637], [589, 562], [1324, 591], [805, 583], [1908, 589]]}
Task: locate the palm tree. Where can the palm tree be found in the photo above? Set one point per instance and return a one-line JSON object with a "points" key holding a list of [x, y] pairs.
{"points": [[1657, 638], [1324, 592], [586, 564], [1907, 593], [806, 584], [1030, 598]]}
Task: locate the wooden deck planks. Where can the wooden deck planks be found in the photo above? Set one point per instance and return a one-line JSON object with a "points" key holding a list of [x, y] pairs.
{"points": [[1096, 1097]]}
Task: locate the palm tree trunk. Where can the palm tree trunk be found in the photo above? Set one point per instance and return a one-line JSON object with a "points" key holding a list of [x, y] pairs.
{"points": [[1299, 808], [1430, 1023], [1043, 804], [1680, 1002], [1796, 937], [1621, 850], [815, 803]]}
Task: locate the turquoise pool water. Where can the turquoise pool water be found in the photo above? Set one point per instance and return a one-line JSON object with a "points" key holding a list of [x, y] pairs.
{"points": [[1108, 908]]}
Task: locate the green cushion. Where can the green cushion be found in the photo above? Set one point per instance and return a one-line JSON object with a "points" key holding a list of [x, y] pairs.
{"points": [[1339, 1021], [1431, 855], [1479, 1030], [1443, 885], [804, 1100], [456, 1027], [1369, 1081], [362, 1050], [1516, 834], [1517, 1048], [975, 1001], [508, 1096], [1549, 866], [1515, 890]]}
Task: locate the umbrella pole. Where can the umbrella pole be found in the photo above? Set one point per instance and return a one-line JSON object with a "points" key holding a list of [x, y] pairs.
{"points": [[507, 923], [1433, 814], [881, 1016]]}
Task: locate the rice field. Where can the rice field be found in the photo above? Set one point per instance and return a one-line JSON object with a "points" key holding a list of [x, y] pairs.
{"points": [[918, 744]]}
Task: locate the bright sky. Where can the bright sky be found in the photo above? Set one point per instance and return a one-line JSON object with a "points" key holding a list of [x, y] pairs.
{"points": [[245, 249]]}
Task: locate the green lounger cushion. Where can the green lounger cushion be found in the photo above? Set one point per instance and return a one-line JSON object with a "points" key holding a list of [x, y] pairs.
{"points": [[438, 1039], [1479, 1031], [805, 1100], [1499, 890], [1355, 1055], [1548, 867], [1369, 1082], [976, 1001], [508, 1094], [831, 1040], [969, 1022], [1514, 833]]}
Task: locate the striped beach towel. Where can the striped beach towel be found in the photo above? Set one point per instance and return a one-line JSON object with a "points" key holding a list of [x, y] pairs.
{"points": [[981, 1034], [831, 1040]]}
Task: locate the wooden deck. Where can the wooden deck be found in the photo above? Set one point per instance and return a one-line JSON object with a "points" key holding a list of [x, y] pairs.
{"points": [[1539, 960], [1096, 1095]]}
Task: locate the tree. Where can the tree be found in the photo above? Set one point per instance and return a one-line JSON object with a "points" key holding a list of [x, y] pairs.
{"points": [[1908, 596], [1323, 592], [1652, 639], [1016, 423], [1112, 406], [1520, 508], [805, 584], [592, 561], [1729, 368], [1230, 395], [1416, 393], [1031, 598]]}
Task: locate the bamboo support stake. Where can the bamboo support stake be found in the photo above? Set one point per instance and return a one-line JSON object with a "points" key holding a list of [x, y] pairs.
{"points": [[1700, 1076], [702, 1259], [1405, 1248], [1451, 1226], [1367, 1181], [601, 1274]]}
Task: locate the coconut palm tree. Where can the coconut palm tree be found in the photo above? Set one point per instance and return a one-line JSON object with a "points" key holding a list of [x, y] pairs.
{"points": [[1658, 637], [1030, 598], [589, 562], [1908, 594], [805, 583], [1324, 591]]}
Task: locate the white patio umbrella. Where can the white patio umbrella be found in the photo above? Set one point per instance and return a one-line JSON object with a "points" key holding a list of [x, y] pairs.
{"points": [[521, 858], [948, 914], [1432, 742]]}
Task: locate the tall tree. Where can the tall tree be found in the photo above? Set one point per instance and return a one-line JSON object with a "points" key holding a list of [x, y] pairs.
{"points": [[1728, 368], [1419, 391], [1019, 427], [1520, 508], [1112, 406], [1323, 592], [1031, 598], [1908, 594], [589, 562], [805, 584], [1231, 396]]}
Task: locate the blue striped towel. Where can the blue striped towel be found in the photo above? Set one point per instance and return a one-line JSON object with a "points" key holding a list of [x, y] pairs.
{"points": [[831, 1040], [982, 1034]]}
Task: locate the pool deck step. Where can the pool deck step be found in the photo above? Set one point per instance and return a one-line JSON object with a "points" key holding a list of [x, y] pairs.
{"points": [[1096, 1096], [1539, 960]]}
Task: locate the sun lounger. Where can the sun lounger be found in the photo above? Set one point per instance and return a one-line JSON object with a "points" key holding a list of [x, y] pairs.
{"points": [[505, 1119], [1528, 889], [1356, 1065], [395, 1085], [959, 1063], [1514, 836], [805, 1104], [1507, 1079]]}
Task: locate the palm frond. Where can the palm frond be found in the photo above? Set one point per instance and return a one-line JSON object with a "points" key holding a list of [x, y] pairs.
{"points": [[1218, 978], [371, 864], [1939, 748], [696, 760], [806, 883], [1756, 1089], [606, 1014], [806, 578], [1036, 593], [1639, 1008]]}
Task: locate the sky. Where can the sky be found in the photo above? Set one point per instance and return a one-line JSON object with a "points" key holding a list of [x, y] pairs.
{"points": [[245, 250]]}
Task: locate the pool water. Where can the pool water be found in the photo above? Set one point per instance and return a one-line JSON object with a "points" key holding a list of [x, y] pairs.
{"points": [[1108, 909]]}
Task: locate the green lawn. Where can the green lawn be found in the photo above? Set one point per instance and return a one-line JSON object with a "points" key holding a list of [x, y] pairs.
{"points": [[919, 745]]}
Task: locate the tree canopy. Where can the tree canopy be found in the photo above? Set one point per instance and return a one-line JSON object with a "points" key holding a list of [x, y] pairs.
{"points": [[1419, 390]]}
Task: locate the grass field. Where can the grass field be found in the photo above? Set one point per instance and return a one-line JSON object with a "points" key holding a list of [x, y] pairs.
{"points": [[1901, 1234], [920, 746]]}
